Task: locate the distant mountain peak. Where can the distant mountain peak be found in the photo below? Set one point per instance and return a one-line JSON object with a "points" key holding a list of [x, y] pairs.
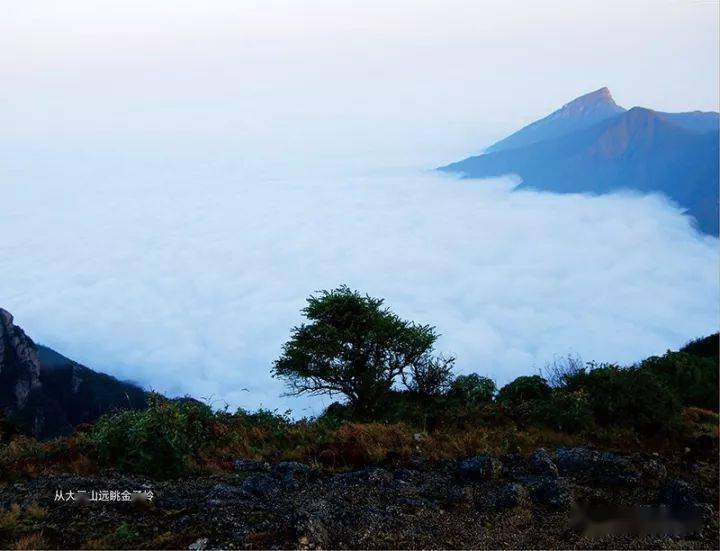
{"points": [[599, 98], [582, 112], [601, 94], [593, 145]]}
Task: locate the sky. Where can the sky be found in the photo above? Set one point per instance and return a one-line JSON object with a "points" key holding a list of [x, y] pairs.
{"points": [[176, 177], [415, 81]]}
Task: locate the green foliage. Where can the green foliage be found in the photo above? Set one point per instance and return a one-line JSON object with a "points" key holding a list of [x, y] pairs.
{"points": [[693, 379], [705, 347], [525, 389], [336, 413], [124, 535], [266, 419], [156, 441], [472, 389], [352, 346], [432, 377], [564, 411], [627, 397]]}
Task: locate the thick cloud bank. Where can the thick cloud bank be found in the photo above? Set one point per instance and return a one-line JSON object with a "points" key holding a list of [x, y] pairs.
{"points": [[190, 283]]}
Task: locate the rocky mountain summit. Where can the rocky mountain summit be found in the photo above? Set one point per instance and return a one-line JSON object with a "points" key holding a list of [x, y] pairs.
{"points": [[592, 145], [566, 498], [46, 394], [581, 112]]}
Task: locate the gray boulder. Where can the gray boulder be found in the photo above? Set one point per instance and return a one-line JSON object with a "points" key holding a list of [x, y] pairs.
{"points": [[289, 470], [542, 464], [600, 468], [679, 494], [260, 485], [479, 468], [225, 492], [249, 465], [510, 495], [556, 493], [654, 471]]}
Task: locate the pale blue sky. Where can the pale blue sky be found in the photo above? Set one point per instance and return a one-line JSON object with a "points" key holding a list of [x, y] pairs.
{"points": [[340, 75]]}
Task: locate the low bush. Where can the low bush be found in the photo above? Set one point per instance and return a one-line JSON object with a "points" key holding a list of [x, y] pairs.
{"points": [[156, 441], [625, 397], [692, 378], [525, 389], [705, 347], [564, 411], [472, 389]]}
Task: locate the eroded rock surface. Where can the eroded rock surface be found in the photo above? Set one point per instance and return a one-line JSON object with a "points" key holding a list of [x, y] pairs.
{"points": [[516, 501]]}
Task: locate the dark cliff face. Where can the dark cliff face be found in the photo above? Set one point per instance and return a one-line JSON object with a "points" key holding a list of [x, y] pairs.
{"points": [[20, 386], [46, 394]]}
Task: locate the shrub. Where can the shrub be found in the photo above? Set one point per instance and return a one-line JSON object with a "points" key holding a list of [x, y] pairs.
{"points": [[557, 372], [31, 541], [9, 521], [336, 413], [269, 420], [472, 389], [564, 411], [705, 347], [627, 397], [156, 441], [692, 378], [525, 389], [431, 378], [123, 537]]}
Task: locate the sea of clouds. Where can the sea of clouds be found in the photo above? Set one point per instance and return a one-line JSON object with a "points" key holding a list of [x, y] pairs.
{"points": [[187, 278]]}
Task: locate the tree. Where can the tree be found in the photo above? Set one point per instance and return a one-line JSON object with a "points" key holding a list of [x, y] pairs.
{"points": [[432, 377], [525, 389], [352, 346], [472, 389]]}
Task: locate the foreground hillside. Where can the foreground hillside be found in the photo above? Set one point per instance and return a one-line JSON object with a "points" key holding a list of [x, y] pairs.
{"points": [[179, 476], [414, 456], [572, 497]]}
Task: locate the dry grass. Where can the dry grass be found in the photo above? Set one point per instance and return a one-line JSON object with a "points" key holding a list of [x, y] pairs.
{"points": [[35, 513], [25, 457], [349, 445], [15, 522], [700, 416], [356, 444], [9, 521], [31, 541]]}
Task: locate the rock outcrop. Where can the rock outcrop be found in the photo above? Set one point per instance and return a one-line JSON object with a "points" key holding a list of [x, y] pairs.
{"points": [[294, 506], [45, 394], [20, 387]]}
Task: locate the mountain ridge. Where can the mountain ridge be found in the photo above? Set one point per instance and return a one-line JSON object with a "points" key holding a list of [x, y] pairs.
{"points": [[583, 111], [639, 149]]}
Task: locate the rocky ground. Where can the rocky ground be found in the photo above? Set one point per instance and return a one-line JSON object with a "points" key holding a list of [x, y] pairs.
{"points": [[564, 498]]}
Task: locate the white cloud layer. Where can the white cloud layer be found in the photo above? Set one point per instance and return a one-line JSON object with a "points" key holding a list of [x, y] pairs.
{"points": [[188, 281]]}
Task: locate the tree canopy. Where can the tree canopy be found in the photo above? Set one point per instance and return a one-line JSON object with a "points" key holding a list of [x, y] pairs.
{"points": [[354, 346]]}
